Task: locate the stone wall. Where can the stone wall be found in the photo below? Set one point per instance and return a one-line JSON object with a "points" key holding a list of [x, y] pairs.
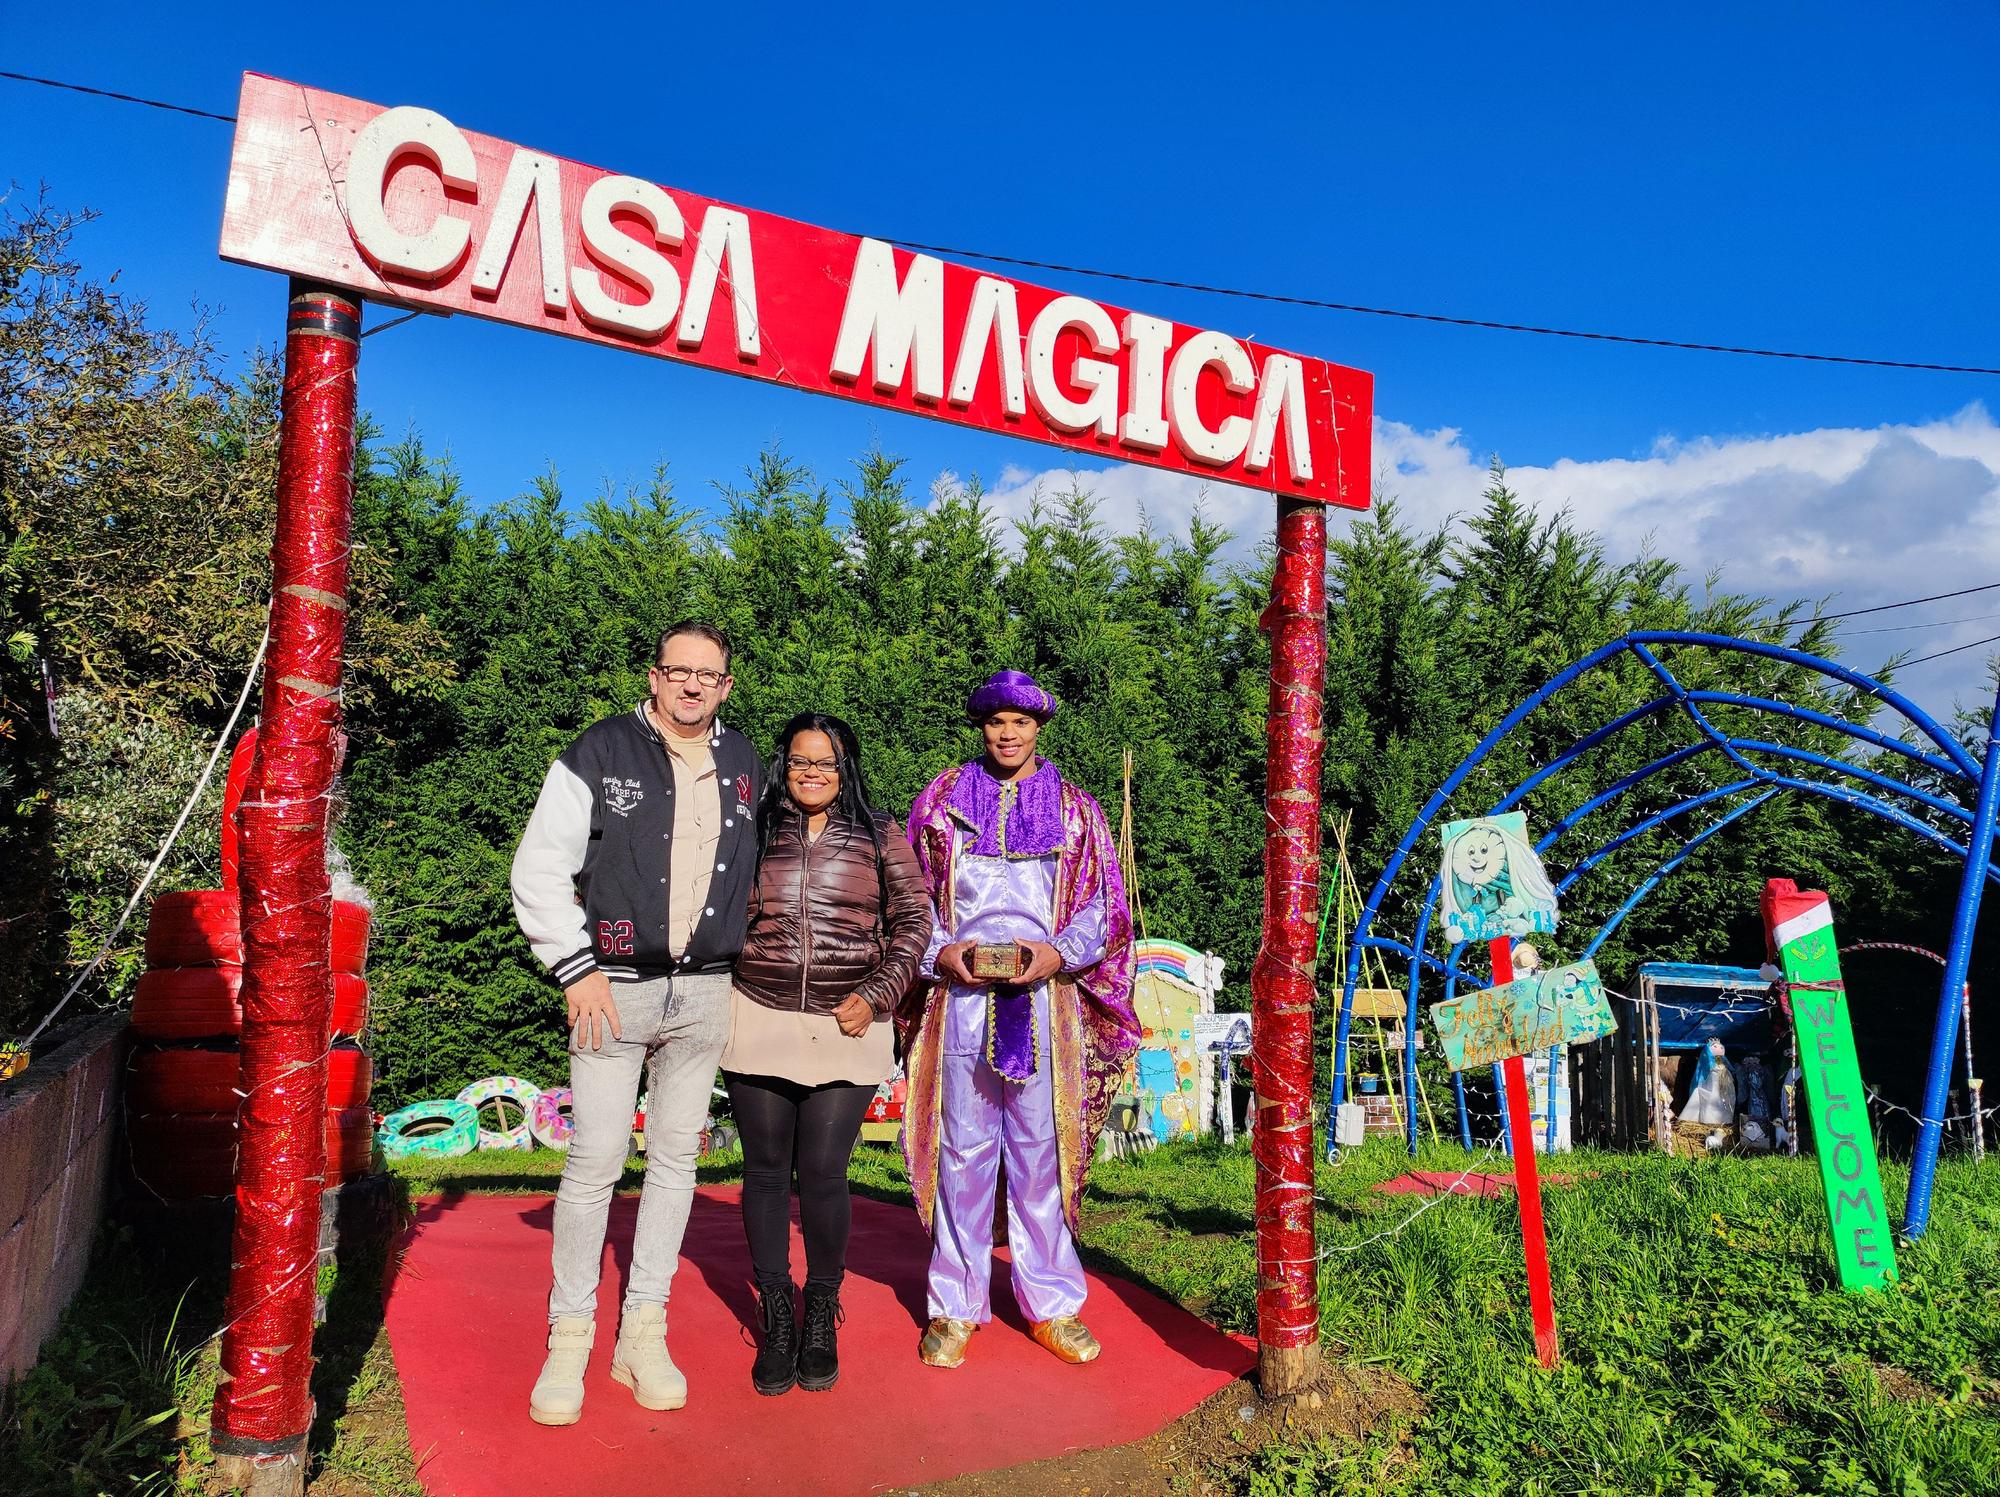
{"points": [[59, 1123]]}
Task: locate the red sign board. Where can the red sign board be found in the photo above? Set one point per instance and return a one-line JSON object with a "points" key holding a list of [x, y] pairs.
{"points": [[403, 206]]}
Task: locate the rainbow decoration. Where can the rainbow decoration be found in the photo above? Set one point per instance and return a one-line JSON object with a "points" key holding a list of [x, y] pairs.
{"points": [[1183, 963]]}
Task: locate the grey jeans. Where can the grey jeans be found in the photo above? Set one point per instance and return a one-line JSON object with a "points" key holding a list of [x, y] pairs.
{"points": [[673, 1029]]}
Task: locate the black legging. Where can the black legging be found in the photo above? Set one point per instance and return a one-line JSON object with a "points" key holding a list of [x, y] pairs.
{"points": [[783, 1122]]}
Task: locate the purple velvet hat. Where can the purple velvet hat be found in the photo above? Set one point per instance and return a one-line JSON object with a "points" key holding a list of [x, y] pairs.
{"points": [[1010, 691]]}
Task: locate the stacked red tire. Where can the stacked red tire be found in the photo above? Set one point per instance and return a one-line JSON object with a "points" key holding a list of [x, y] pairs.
{"points": [[181, 1094]]}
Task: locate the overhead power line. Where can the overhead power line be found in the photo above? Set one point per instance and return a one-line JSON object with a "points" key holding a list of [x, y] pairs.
{"points": [[1242, 294], [105, 93], [1976, 618], [1855, 613], [1480, 322], [1954, 650]]}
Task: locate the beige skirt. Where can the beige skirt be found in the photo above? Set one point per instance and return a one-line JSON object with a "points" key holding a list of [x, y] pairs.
{"points": [[806, 1048]]}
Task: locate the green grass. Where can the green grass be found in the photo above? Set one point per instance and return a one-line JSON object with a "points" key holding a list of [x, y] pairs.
{"points": [[122, 1389], [119, 1400], [1707, 1347]]}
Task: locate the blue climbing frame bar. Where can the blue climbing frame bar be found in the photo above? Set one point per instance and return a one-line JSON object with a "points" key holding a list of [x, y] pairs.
{"points": [[1952, 762], [1958, 956]]}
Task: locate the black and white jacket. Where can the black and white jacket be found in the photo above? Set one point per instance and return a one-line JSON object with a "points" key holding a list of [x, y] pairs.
{"points": [[590, 875]]}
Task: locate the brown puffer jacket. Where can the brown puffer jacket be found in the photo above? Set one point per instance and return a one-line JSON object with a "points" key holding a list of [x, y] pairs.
{"points": [[818, 926]]}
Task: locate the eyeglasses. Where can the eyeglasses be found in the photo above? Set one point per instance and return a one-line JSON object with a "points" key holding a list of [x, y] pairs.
{"points": [[675, 674], [824, 766]]}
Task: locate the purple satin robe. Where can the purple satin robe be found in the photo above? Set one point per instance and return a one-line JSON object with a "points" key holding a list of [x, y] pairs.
{"points": [[962, 1117]]}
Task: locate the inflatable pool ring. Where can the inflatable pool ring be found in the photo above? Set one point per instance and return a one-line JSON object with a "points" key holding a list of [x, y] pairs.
{"points": [[492, 1092], [552, 1126], [459, 1135]]}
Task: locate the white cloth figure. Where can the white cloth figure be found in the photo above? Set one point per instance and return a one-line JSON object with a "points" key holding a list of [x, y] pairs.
{"points": [[1712, 1099]]}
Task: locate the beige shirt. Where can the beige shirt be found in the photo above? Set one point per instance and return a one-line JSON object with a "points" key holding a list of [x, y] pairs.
{"points": [[697, 831], [806, 1048]]}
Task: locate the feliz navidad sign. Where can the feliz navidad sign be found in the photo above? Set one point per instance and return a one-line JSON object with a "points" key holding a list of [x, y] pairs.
{"points": [[1562, 1006], [402, 205]]}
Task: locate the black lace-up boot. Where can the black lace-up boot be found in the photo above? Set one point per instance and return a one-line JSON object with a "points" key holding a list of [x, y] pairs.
{"points": [[776, 1367], [819, 1345]]}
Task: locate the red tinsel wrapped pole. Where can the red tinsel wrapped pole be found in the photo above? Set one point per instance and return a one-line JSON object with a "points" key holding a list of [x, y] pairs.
{"points": [[263, 1405], [1282, 984]]}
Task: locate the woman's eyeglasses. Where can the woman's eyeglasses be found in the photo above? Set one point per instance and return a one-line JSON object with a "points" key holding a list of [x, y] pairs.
{"points": [[824, 766], [675, 674]]}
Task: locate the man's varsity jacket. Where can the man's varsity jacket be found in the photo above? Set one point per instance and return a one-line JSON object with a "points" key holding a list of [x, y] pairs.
{"points": [[590, 875]]}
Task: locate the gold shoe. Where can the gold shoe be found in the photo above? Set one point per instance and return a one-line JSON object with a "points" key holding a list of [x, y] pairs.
{"points": [[944, 1341], [1068, 1338]]}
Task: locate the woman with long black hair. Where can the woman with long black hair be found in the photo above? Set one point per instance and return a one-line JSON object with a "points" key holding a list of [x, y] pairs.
{"points": [[838, 922]]}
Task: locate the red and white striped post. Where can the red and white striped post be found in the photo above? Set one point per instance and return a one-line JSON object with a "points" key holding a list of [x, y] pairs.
{"points": [[263, 1404], [1282, 986]]}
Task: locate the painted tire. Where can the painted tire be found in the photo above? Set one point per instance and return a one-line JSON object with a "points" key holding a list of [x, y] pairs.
{"points": [[459, 1135], [191, 1155], [202, 928], [523, 1094], [350, 1142], [552, 1127], [206, 1003], [197, 1081]]}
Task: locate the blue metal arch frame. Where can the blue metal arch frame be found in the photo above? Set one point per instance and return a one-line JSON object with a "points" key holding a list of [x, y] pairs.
{"points": [[1759, 783]]}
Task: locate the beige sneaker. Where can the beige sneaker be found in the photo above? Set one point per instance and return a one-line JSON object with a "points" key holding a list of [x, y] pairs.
{"points": [[640, 1359], [558, 1395]]}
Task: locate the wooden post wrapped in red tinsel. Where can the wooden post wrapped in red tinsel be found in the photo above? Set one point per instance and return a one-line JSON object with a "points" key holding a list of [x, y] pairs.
{"points": [[263, 1404], [1282, 984]]}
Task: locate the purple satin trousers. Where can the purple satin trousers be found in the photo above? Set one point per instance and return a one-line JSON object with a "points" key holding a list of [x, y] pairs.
{"points": [[985, 1119]]}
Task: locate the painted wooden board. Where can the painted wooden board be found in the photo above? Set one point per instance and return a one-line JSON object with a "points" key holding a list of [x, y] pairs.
{"points": [[1491, 883], [402, 205], [1562, 1006], [1800, 923], [1379, 1003]]}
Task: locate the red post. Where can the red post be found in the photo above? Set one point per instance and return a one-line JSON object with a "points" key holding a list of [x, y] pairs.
{"points": [[1527, 1180], [263, 1404], [242, 759], [1282, 983]]}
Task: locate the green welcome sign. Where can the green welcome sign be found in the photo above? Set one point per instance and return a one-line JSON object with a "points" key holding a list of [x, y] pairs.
{"points": [[1800, 923]]}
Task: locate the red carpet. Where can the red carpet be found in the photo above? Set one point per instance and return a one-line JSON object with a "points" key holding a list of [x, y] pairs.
{"points": [[1442, 1182], [467, 1319]]}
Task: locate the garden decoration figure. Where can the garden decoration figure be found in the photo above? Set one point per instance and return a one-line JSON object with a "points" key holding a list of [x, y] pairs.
{"points": [[1710, 1113], [1753, 1101], [1025, 1069], [1492, 883], [632, 883]]}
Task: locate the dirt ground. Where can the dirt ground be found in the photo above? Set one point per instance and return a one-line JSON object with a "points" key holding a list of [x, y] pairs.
{"points": [[1195, 1454]]}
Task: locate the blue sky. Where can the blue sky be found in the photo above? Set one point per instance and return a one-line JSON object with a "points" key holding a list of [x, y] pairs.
{"points": [[1813, 177]]}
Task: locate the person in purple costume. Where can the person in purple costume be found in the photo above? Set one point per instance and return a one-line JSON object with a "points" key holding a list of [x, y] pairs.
{"points": [[1024, 1070]]}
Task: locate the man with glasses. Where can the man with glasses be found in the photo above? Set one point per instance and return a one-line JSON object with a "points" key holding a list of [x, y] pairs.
{"points": [[631, 883]]}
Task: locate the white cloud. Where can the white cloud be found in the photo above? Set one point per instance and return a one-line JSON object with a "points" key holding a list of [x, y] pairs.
{"points": [[1854, 516]]}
